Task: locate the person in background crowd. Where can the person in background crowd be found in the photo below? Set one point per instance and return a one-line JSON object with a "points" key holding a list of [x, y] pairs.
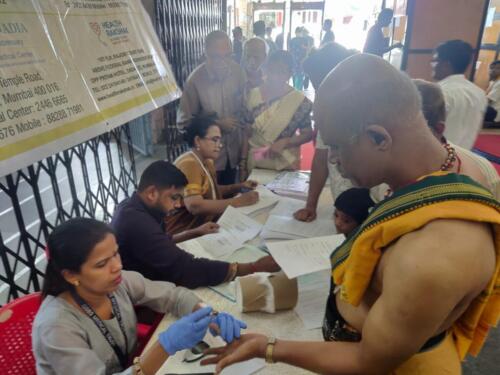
{"points": [[217, 86], [87, 324], [280, 41], [427, 317], [254, 55], [269, 40], [298, 49], [259, 31], [145, 246], [465, 102], [238, 41], [318, 65], [329, 36], [276, 111], [204, 199], [493, 93], [376, 43], [321, 61], [310, 49], [434, 110]]}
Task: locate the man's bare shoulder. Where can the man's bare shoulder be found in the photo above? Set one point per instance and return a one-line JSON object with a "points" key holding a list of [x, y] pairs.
{"points": [[445, 250]]}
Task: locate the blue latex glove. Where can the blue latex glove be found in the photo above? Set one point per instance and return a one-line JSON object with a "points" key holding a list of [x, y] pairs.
{"points": [[186, 332], [229, 326]]}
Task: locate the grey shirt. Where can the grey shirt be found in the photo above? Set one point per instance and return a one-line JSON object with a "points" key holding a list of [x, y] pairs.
{"points": [[66, 341], [204, 93]]}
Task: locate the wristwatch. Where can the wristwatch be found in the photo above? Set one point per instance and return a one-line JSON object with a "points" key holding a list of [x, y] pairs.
{"points": [[271, 341]]}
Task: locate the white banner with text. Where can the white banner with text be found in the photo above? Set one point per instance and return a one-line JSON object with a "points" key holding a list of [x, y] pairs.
{"points": [[73, 69]]}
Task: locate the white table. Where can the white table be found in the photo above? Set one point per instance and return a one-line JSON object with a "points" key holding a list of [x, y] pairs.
{"points": [[283, 325]]}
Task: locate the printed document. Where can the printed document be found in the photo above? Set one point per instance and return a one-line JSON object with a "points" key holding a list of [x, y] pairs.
{"points": [[313, 293], [300, 257], [286, 227], [235, 229], [267, 199]]}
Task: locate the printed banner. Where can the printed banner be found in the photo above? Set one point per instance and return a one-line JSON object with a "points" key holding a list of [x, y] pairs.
{"points": [[73, 69]]}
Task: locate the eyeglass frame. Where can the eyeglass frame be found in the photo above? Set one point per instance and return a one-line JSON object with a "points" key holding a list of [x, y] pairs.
{"points": [[216, 140]]}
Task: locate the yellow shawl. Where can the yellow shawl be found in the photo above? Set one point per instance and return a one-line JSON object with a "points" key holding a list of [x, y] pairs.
{"points": [[438, 196]]}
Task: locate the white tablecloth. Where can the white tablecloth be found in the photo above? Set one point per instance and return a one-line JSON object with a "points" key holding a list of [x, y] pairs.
{"points": [[283, 325]]}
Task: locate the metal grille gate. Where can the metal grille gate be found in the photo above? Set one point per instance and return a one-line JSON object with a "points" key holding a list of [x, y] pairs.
{"points": [[89, 179], [86, 180]]}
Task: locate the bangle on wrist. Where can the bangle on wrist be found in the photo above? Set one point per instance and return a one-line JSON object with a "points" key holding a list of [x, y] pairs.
{"points": [[232, 272], [271, 342], [137, 366]]}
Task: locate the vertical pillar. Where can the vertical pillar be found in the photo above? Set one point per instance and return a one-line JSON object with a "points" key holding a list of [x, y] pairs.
{"points": [[432, 22]]}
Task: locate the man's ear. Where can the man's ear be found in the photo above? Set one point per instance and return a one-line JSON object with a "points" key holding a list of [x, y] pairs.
{"points": [[379, 136], [151, 193]]}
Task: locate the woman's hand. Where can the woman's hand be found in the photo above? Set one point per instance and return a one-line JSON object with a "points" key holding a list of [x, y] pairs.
{"points": [[228, 327], [246, 199], [278, 146], [207, 228], [247, 347], [249, 184], [186, 332]]}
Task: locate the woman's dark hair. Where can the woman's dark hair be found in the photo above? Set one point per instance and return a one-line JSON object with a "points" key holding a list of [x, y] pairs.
{"points": [[281, 57], [199, 126], [68, 247]]}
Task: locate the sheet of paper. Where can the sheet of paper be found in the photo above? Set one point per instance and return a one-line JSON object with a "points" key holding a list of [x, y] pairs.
{"points": [[313, 293], [235, 229], [300, 257], [287, 206], [288, 225], [267, 199], [176, 364]]}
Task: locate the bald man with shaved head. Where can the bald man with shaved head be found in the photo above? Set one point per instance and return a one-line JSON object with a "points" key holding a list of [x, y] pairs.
{"points": [[413, 289]]}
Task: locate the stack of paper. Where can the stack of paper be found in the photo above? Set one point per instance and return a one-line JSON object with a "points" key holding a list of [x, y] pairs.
{"points": [[287, 228], [287, 207], [300, 257], [267, 199], [313, 293], [235, 229], [291, 184]]}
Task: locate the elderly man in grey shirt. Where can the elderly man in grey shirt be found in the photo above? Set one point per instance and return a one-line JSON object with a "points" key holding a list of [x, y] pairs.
{"points": [[217, 86]]}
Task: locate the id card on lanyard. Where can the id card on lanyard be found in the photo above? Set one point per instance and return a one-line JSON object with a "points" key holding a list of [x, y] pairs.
{"points": [[122, 357]]}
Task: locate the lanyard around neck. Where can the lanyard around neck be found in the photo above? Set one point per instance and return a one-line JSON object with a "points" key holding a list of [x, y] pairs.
{"points": [[122, 357]]}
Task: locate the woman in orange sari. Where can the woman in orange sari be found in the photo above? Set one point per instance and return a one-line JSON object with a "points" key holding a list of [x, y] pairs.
{"points": [[204, 199]]}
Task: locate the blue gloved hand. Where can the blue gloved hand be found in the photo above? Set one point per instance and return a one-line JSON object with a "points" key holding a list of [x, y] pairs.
{"points": [[229, 326], [186, 332]]}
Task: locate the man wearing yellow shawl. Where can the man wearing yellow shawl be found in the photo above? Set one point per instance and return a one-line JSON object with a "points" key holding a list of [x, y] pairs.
{"points": [[415, 288]]}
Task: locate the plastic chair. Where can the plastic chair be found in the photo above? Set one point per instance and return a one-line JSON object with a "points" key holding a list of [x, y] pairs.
{"points": [[147, 322], [16, 321]]}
